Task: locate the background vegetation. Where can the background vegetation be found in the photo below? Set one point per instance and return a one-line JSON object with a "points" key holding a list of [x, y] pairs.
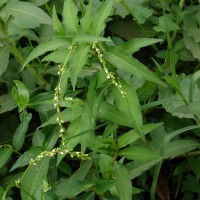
{"points": [[99, 99]]}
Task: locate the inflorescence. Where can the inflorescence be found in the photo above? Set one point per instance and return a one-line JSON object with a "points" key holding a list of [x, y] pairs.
{"points": [[57, 95], [109, 75]]}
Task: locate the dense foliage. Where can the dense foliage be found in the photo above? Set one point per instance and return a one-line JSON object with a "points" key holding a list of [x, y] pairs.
{"points": [[99, 99]]}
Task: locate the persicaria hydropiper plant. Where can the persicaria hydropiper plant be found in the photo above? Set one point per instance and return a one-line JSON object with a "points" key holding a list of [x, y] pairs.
{"points": [[99, 99]]}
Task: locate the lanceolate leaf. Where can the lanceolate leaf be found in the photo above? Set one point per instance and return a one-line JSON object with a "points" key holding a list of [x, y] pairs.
{"points": [[5, 153], [124, 61], [50, 45], [69, 188], [27, 13], [70, 18], [105, 165], [86, 19], [19, 135], [147, 90], [134, 45], [139, 153], [179, 147], [109, 112], [66, 115], [56, 23], [137, 168], [131, 136], [58, 56], [25, 158], [130, 106], [77, 62], [32, 180], [20, 94], [122, 181], [98, 20]]}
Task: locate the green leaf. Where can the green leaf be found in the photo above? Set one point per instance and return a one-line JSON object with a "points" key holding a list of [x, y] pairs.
{"points": [[86, 19], [38, 138], [129, 105], [147, 90], [39, 2], [137, 168], [193, 46], [5, 153], [132, 136], [42, 102], [98, 20], [141, 13], [101, 186], [19, 135], [164, 145], [105, 165], [50, 45], [69, 188], [111, 113], [25, 158], [72, 138], [56, 23], [70, 18], [190, 23], [4, 58], [32, 180], [180, 147], [66, 115], [134, 45], [51, 138], [86, 196], [20, 94], [173, 134], [120, 10], [189, 109], [57, 56], [122, 181], [77, 62], [166, 24], [176, 102], [124, 61], [191, 185], [27, 13], [7, 103], [139, 153]]}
